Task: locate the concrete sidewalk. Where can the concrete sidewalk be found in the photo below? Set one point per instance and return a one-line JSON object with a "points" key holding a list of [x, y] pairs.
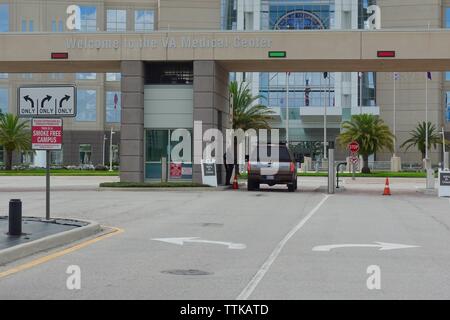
{"points": [[57, 183]]}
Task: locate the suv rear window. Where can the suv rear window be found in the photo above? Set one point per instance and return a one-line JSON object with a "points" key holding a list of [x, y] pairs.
{"points": [[283, 154]]}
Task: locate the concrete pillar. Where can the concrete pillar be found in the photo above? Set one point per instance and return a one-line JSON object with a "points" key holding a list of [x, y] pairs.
{"points": [[307, 165], [211, 105], [132, 122], [396, 164]]}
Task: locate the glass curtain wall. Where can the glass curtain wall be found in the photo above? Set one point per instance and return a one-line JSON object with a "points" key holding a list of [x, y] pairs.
{"points": [[305, 89]]}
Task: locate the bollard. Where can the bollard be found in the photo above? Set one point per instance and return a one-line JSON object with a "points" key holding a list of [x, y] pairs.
{"points": [[15, 217]]}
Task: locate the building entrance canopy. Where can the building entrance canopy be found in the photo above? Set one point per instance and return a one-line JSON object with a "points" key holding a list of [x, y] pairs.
{"points": [[312, 50]]}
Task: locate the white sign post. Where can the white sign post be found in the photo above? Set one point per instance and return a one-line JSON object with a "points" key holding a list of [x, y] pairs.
{"points": [[46, 134], [209, 172], [46, 105], [48, 101]]}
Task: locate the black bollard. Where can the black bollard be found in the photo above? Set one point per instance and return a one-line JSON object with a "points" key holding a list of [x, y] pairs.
{"points": [[15, 217]]}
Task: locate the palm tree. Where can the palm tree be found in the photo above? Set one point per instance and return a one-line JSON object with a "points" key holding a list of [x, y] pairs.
{"points": [[418, 137], [13, 136], [370, 132], [247, 114]]}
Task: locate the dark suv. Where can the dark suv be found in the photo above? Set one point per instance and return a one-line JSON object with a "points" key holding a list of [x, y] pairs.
{"points": [[281, 168]]}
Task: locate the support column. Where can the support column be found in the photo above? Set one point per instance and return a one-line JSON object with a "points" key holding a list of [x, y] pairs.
{"points": [[211, 106], [132, 122]]}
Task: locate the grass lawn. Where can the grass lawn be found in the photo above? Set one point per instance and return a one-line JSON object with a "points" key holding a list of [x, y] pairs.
{"points": [[151, 185], [57, 172], [381, 174]]}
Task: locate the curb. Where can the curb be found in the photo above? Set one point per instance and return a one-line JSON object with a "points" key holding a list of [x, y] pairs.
{"points": [[56, 240]]}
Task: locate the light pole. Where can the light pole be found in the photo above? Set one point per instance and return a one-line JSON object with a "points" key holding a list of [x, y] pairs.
{"points": [[111, 149], [104, 149], [325, 75], [426, 117], [395, 128]]}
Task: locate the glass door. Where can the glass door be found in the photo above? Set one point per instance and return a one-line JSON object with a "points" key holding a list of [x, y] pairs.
{"points": [[156, 148], [158, 145]]}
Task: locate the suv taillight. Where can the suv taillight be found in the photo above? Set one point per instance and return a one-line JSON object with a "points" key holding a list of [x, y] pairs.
{"points": [[292, 168], [248, 166]]}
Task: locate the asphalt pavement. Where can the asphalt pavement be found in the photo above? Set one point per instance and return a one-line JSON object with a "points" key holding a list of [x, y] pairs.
{"points": [[246, 245]]}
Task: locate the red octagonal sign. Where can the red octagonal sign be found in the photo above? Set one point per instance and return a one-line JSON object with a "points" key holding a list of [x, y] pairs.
{"points": [[353, 147]]}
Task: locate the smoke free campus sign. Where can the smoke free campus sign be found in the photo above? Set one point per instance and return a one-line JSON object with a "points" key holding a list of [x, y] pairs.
{"points": [[46, 134]]}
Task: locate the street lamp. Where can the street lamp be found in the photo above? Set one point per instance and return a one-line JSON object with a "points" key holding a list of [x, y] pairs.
{"points": [[104, 149], [325, 76], [111, 149]]}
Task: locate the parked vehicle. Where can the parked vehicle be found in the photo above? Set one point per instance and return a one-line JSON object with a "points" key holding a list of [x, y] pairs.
{"points": [[278, 167]]}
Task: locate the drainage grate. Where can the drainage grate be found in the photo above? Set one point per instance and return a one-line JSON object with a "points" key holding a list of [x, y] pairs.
{"points": [[190, 272]]}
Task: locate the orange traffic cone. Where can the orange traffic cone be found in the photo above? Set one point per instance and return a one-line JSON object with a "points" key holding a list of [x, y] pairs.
{"points": [[235, 183], [387, 190]]}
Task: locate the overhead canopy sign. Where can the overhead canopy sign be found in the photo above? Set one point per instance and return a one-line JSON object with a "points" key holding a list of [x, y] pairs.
{"points": [[46, 134], [48, 101]]}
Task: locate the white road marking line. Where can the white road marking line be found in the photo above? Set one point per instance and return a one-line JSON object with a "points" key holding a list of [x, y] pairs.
{"points": [[251, 286]]}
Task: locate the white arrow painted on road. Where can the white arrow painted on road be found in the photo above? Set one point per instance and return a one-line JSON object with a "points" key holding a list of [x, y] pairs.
{"points": [[181, 241], [383, 246]]}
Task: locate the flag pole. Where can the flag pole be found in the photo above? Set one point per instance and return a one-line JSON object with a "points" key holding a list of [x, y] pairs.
{"points": [[360, 74], [287, 108]]}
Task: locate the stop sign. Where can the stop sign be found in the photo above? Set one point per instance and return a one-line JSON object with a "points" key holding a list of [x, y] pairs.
{"points": [[353, 147]]}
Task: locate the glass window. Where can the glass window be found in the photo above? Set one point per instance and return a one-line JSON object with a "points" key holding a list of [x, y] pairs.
{"points": [[144, 20], [115, 153], [56, 157], [447, 76], [4, 17], [57, 25], [86, 76], [2, 155], [447, 18], [24, 25], [56, 76], [31, 26], [85, 152], [86, 105], [114, 76], [88, 19], [4, 100], [26, 157], [116, 20], [27, 76], [113, 106], [3, 76]]}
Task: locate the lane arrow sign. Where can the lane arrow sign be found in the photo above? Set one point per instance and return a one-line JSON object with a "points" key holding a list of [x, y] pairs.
{"points": [[66, 98], [47, 98], [181, 241], [383, 246], [28, 99]]}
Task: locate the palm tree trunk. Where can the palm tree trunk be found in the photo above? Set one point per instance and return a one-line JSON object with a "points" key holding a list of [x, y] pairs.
{"points": [[8, 160], [365, 168]]}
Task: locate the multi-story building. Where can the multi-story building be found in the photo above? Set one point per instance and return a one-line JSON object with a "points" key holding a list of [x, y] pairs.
{"points": [[308, 96], [299, 104]]}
